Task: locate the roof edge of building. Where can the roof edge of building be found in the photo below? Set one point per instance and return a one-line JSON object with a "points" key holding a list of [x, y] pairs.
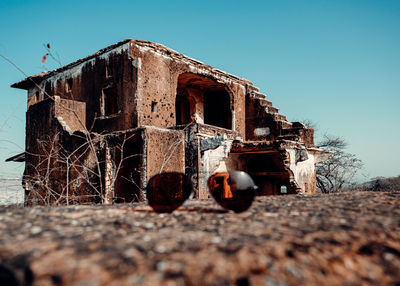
{"points": [[37, 78]]}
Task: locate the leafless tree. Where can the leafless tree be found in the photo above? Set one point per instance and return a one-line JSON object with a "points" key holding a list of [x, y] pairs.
{"points": [[338, 171], [59, 175]]}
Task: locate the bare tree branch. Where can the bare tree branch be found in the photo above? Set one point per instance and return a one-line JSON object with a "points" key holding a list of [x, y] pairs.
{"points": [[338, 171]]}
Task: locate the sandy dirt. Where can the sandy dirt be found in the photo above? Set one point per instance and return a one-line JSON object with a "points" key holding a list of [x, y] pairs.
{"points": [[337, 239]]}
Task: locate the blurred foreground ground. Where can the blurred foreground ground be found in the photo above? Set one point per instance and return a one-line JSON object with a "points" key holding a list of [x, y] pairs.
{"points": [[337, 239]]}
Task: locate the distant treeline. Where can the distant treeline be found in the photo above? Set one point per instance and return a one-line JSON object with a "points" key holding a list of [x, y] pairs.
{"points": [[380, 184]]}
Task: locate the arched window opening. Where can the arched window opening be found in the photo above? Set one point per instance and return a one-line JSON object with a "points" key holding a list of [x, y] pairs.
{"points": [[202, 100]]}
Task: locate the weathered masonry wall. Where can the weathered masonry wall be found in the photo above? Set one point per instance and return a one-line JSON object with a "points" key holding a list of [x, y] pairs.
{"points": [[59, 166], [302, 165], [106, 82], [70, 113], [165, 151], [214, 154], [158, 81], [127, 161], [139, 154]]}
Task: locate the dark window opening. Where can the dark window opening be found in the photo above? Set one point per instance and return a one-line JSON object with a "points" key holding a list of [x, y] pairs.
{"points": [[127, 182], [265, 163], [154, 106], [34, 98], [203, 100], [184, 110], [108, 72], [217, 109], [268, 172], [47, 91], [110, 101], [68, 85]]}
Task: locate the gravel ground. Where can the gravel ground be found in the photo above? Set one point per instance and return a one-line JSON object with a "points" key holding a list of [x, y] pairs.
{"points": [[337, 239]]}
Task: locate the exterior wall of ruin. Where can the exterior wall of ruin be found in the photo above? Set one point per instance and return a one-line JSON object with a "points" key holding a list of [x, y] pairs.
{"points": [[128, 93], [127, 165], [214, 154], [70, 112], [213, 161], [60, 168], [262, 121], [86, 82], [158, 74], [303, 171], [139, 154], [165, 151]]}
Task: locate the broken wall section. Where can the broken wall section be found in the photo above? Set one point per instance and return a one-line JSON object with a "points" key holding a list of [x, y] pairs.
{"points": [[213, 154], [105, 81], [60, 167], [165, 151], [70, 113], [165, 74], [136, 156], [264, 123], [125, 166], [302, 164]]}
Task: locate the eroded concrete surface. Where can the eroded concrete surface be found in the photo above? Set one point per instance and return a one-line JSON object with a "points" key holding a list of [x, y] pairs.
{"points": [[336, 239]]}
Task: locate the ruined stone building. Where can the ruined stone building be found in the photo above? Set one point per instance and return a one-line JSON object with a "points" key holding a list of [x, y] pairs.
{"points": [[101, 127]]}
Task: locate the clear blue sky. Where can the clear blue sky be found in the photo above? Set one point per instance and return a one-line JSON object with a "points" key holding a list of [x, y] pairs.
{"points": [[335, 62]]}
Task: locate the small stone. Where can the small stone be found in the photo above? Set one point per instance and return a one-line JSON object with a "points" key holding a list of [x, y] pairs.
{"points": [[36, 230], [272, 282], [161, 266], [149, 225], [270, 214], [161, 248], [216, 239], [137, 279], [388, 256], [292, 269]]}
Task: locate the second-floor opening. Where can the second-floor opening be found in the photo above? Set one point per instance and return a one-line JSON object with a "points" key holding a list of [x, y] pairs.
{"points": [[202, 100], [109, 101]]}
